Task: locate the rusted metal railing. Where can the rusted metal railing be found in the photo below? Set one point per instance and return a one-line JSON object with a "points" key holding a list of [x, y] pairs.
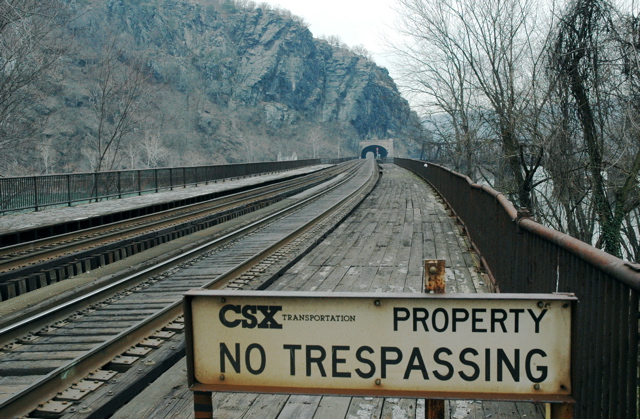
{"points": [[38, 192], [523, 256]]}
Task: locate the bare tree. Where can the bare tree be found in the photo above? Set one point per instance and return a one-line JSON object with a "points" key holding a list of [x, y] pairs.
{"points": [[362, 51], [477, 61], [595, 62], [437, 77], [631, 230], [334, 41], [251, 146], [47, 152], [315, 136], [31, 43], [564, 199], [117, 99], [154, 150]]}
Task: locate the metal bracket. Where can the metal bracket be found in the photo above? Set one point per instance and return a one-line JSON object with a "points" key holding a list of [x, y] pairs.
{"points": [[520, 215], [434, 276]]}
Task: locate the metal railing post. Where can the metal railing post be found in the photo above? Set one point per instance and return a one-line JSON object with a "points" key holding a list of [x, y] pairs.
{"points": [[35, 192], [95, 186], [69, 190]]}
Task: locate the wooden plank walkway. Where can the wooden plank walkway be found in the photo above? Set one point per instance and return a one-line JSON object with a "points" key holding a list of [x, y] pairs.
{"points": [[379, 248]]}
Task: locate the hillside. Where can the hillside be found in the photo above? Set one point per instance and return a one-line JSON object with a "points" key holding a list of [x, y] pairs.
{"points": [[179, 82]]}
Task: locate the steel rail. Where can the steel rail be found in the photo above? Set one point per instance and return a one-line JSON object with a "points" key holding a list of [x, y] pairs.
{"points": [[223, 280], [28, 399], [22, 327], [85, 254]]}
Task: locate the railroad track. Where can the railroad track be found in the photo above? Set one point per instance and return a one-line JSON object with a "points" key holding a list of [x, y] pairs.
{"points": [[29, 266], [89, 355]]}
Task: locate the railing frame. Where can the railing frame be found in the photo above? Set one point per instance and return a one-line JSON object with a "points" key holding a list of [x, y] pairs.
{"points": [[523, 256], [33, 193]]}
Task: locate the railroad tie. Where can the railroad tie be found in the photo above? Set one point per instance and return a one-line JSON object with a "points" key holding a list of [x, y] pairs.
{"points": [[7, 290]]}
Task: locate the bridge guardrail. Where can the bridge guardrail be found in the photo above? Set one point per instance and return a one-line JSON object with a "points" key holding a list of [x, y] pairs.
{"points": [[37, 192], [523, 256]]}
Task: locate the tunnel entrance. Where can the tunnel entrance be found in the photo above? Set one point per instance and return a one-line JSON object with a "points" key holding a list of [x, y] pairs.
{"points": [[376, 150]]}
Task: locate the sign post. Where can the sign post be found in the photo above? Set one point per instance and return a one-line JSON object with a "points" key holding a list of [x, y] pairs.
{"points": [[434, 282], [202, 406]]}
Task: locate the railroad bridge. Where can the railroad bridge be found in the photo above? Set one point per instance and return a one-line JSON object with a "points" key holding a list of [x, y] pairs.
{"points": [[487, 244], [379, 148]]}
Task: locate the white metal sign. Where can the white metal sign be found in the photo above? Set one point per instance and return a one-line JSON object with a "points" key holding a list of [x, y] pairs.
{"points": [[491, 346]]}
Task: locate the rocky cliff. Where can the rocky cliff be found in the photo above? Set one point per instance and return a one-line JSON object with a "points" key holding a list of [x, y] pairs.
{"points": [[222, 82]]}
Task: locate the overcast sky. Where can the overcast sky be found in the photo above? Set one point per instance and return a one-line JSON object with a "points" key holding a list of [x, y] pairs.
{"points": [[356, 22]]}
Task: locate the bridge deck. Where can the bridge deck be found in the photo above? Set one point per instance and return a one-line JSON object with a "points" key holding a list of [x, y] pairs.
{"points": [[379, 248]]}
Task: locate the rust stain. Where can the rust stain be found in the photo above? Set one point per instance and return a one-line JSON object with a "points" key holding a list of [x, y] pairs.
{"points": [[434, 276]]}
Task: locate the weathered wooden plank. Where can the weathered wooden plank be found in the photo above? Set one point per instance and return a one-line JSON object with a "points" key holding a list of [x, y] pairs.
{"points": [[335, 277], [84, 332], [163, 392], [394, 408], [340, 248], [104, 324], [296, 281], [54, 355], [267, 406], [31, 367], [416, 257], [367, 252], [381, 280], [331, 407], [13, 384], [317, 279], [299, 406], [352, 258], [530, 410], [461, 409], [365, 407], [329, 250], [48, 346], [362, 281], [234, 406]]}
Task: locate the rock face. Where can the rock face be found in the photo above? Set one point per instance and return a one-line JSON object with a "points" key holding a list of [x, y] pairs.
{"points": [[238, 80], [255, 56]]}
